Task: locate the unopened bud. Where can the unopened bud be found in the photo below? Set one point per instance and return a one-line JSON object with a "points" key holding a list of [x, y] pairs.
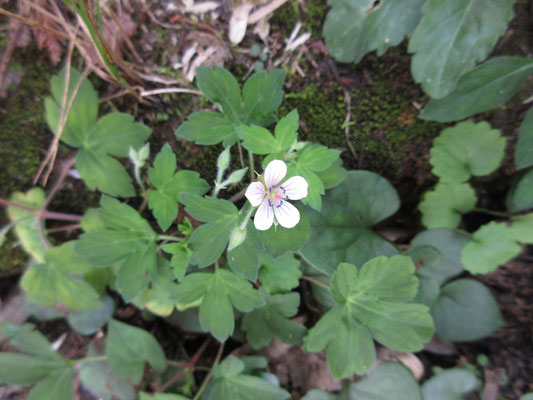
{"points": [[223, 160], [238, 236], [235, 176]]}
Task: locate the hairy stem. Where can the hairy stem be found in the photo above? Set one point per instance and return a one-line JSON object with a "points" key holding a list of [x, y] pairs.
{"points": [[210, 374]]}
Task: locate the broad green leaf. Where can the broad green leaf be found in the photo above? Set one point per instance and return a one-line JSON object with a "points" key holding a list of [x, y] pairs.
{"points": [[181, 255], [262, 94], [286, 130], [449, 243], [22, 369], [522, 228], [342, 29], [217, 292], [442, 207], [379, 28], [278, 240], [315, 394], [465, 311], [527, 396], [103, 172], [128, 348], [120, 216], [333, 175], [428, 291], [115, 133], [169, 184], [209, 240], [231, 383], [466, 149], [57, 385], [390, 380], [243, 259], [317, 158], [56, 280], [257, 139], [102, 382], [29, 340], [486, 87], [450, 384], [273, 317], [29, 228], [523, 155], [219, 86], [372, 303], [492, 245], [281, 274], [83, 112], [520, 196], [452, 37], [342, 231], [91, 221], [89, 322], [208, 127], [136, 272]]}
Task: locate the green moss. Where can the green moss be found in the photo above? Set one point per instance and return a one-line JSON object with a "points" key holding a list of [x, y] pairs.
{"points": [[315, 14], [286, 16]]}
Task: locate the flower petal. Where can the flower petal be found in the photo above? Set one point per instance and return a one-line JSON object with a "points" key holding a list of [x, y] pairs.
{"points": [[255, 193], [294, 188], [275, 172], [286, 214], [264, 217]]}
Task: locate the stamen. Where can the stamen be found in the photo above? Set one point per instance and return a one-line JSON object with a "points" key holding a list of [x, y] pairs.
{"points": [[280, 203], [269, 203]]}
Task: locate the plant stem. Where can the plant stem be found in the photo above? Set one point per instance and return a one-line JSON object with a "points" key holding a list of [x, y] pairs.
{"points": [[241, 158], [304, 259], [247, 218], [495, 213], [60, 216], [91, 359], [170, 238], [210, 374], [251, 165], [315, 281]]}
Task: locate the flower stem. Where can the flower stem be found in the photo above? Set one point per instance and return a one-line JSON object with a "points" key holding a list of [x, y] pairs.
{"points": [[495, 213], [315, 281], [247, 218], [210, 374], [251, 165], [170, 238]]}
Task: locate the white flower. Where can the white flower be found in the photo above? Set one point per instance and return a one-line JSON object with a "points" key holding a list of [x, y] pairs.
{"points": [[272, 195]]}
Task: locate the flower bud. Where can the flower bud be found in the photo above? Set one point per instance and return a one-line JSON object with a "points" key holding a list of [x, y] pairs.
{"points": [[238, 236], [223, 160], [235, 176]]}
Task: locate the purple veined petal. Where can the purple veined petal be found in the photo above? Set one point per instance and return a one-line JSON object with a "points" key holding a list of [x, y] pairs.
{"points": [[275, 172], [264, 217], [255, 193], [294, 188], [286, 214]]}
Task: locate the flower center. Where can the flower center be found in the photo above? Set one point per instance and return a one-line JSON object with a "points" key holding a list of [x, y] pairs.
{"points": [[276, 195]]}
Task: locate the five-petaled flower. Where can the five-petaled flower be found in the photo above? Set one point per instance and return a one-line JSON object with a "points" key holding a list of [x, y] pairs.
{"points": [[271, 196]]}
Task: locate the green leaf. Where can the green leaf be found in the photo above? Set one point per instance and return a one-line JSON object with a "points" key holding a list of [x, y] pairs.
{"points": [[262, 95], [83, 112], [333, 175], [450, 384], [258, 140], [115, 133], [467, 149], [342, 231], [372, 302], [128, 348], [136, 272], [103, 172], [522, 228], [45, 284], [278, 240], [317, 158], [442, 207], [492, 245], [209, 240], [243, 258], [88, 322], [386, 25], [486, 87], [57, 385], [219, 86], [208, 127], [449, 243], [181, 255], [102, 382], [466, 311], [520, 196], [231, 383], [523, 156], [342, 29], [390, 380], [281, 274], [452, 37], [286, 130], [161, 396], [29, 228], [315, 394], [273, 317], [217, 292], [29, 340], [169, 185], [22, 369]]}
